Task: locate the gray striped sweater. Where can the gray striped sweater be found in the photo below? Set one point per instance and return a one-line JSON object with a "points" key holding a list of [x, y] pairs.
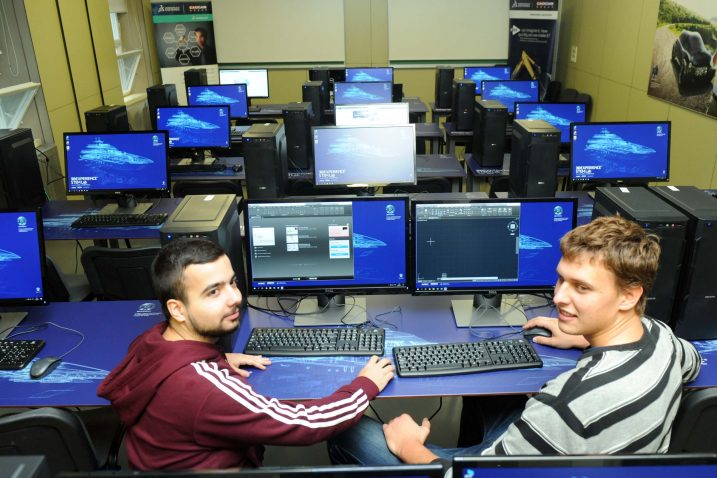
{"points": [[619, 399]]}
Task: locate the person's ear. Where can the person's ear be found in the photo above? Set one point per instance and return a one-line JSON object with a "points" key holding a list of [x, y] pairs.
{"points": [[630, 296], [177, 310]]}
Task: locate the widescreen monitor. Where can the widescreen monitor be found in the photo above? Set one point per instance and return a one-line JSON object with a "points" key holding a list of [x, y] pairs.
{"points": [[364, 156], [201, 127], [372, 114], [327, 246], [627, 152], [514, 247], [360, 93], [374, 74], [559, 115], [256, 80], [232, 95], [510, 91], [485, 73]]}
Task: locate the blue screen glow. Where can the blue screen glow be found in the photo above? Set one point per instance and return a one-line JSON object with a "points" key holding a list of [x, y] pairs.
{"points": [[233, 95], [485, 73], [559, 115], [195, 126], [20, 259], [369, 74], [510, 91], [357, 93], [632, 471]]}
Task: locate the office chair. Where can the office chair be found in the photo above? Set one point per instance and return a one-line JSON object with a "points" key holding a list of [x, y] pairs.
{"points": [[424, 185], [568, 95], [185, 188], [60, 287], [499, 184], [120, 274], [693, 430]]}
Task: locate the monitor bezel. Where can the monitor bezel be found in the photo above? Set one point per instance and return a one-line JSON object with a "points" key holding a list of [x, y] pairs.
{"points": [[574, 103], [474, 289], [510, 112], [363, 185], [629, 181], [387, 100], [231, 117], [266, 75], [191, 148], [359, 289], [479, 84], [27, 301], [116, 191], [349, 68]]}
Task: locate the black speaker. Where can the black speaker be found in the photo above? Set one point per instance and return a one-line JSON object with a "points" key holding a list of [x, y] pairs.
{"points": [[534, 159], [489, 132], [195, 77], [21, 184], [297, 126], [265, 160], [464, 92], [314, 92], [397, 92], [107, 119], [160, 95], [444, 84]]}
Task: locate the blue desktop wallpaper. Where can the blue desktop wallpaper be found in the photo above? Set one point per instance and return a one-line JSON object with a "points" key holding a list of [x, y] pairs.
{"points": [[357, 93], [485, 73], [379, 241], [116, 162], [364, 155], [605, 151], [195, 126], [233, 95], [510, 91], [542, 224], [632, 471], [559, 115], [369, 74], [20, 276]]}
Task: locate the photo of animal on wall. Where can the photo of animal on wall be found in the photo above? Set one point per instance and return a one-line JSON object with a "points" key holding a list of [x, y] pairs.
{"points": [[684, 57]]}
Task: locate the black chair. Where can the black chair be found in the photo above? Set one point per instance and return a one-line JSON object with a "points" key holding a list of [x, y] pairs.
{"points": [[186, 188], [120, 274], [424, 185], [568, 95], [499, 184], [693, 430], [60, 287]]}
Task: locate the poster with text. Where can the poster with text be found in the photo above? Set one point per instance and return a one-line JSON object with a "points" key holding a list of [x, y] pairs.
{"points": [[684, 55], [184, 33]]}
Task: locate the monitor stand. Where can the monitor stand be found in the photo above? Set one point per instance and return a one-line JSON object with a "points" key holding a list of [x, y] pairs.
{"points": [[126, 204], [8, 321], [487, 310], [324, 310]]}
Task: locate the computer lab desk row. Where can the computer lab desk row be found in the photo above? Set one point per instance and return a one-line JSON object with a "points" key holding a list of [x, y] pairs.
{"points": [[109, 327]]}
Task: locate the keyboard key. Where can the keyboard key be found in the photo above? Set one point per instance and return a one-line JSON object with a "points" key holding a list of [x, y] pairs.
{"points": [[119, 220], [16, 354], [291, 341]]}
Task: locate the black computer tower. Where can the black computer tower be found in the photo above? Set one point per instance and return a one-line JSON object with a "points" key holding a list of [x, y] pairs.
{"points": [[323, 75], [695, 308], [464, 92], [297, 127], [195, 77], [314, 92], [21, 185], [489, 124], [534, 154], [397, 92], [265, 160], [655, 215], [107, 119], [160, 95], [444, 85]]}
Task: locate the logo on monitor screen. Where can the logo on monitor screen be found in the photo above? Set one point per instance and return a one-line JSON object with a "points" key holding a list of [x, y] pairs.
{"points": [[21, 221], [558, 211], [390, 210]]}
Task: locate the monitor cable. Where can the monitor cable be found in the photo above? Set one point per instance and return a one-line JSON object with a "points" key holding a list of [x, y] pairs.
{"points": [[43, 326]]}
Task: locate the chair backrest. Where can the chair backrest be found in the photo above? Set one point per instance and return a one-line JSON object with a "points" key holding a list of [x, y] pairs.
{"points": [[568, 95], [499, 184], [120, 274], [186, 188], [693, 430], [56, 433], [55, 288], [424, 185]]}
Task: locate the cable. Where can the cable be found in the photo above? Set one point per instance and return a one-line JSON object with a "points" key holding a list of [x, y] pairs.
{"points": [[440, 405], [375, 413], [35, 328]]}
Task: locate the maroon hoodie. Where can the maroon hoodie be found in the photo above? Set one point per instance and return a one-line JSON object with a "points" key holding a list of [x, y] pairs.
{"points": [[185, 407]]}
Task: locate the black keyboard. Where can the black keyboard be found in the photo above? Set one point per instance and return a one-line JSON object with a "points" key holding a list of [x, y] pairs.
{"points": [[315, 341], [118, 220], [466, 357], [197, 167], [16, 354]]}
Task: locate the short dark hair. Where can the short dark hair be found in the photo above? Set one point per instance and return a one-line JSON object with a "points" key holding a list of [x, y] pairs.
{"points": [[169, 265]]}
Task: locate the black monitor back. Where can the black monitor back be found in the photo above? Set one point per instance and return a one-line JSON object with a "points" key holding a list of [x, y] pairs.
{"points": [[21, 185], [160, 95]]}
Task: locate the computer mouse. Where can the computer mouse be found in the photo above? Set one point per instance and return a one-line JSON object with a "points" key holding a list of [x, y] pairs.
{"points": [[42, 367], [237, 168], [536, 332]]}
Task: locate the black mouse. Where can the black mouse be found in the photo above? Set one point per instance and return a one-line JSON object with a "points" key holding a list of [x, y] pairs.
{"points": [[42, 367], [537, 332]]}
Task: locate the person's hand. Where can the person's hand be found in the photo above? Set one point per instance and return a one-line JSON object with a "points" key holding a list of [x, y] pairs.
{"points": [[560, 339], [406, 439], [238, 360], [379, 371]]}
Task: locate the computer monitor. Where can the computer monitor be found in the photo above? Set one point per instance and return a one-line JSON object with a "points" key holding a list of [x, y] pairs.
{"points": [[486, 73], [328, 246], [595, 466], [256, 80], [364, 156], [627, 152], [370, 75], [117, 164], [488, 247], [372, 114], [358, 93], [235, 96], [510, 91], [559, 115], [193, 129], [22, 265]]}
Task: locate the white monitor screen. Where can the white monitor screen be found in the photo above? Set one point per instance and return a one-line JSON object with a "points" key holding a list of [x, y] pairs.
{"points": [[256, 81], [374, 113]]}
